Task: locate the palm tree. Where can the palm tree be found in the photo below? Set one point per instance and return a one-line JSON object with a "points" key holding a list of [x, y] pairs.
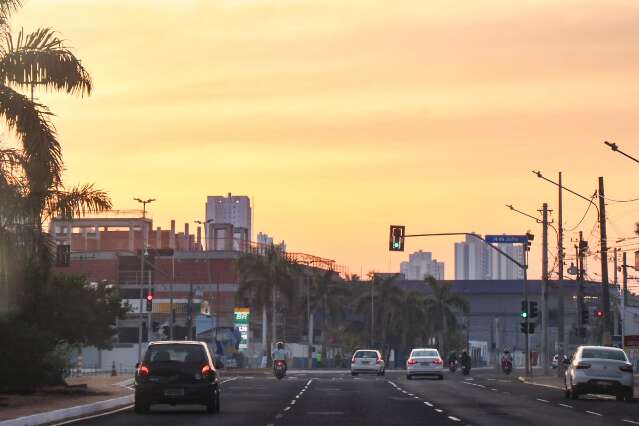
{"points": [[327, 295], [384, 300], [261, 278], [441, 306], [38, 59], [411, 322]]}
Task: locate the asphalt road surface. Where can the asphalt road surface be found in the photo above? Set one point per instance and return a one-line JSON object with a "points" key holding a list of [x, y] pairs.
{"points": [[312, 398]]}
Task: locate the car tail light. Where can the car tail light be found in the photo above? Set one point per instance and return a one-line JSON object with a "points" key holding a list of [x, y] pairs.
{"points": [[279, 362], [143, 371], [353, 360], [582, 366], [438, 361], [412, 362], [626, 368]]}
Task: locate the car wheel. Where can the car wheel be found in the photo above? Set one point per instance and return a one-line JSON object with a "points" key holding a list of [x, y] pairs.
{"points": [[620, 397], [353, 374], [566, 391], [408, 377], [573, 392], [440, 377], [140, 406]]}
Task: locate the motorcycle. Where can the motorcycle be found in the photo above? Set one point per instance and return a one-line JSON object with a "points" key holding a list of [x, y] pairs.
{"points": [[466, 369], [506, 366], [279, 370], [452, 366]]}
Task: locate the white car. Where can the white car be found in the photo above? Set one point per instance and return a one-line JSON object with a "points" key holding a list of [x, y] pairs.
{"points": [[424, 362], [367, 361], [601, 370]]}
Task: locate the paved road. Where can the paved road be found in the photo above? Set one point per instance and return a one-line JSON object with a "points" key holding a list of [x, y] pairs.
{"points": [[310, 399]]}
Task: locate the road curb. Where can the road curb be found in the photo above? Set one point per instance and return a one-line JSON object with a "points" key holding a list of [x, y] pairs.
{"points": [[69, 413]]}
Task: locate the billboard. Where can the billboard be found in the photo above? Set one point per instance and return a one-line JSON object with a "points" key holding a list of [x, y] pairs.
{"points": [[241, 317]]}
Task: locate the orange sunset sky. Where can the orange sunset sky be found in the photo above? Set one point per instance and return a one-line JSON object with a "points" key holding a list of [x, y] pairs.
{"points": [[342, 117]]}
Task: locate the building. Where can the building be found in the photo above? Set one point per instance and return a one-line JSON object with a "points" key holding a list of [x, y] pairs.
{"points": [[233, 209], [267, 240], [421, 264], [472, 260], [475, 260]]}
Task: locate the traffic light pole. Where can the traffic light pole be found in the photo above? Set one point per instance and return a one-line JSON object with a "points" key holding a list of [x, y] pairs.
{"points": [[526, 320]]}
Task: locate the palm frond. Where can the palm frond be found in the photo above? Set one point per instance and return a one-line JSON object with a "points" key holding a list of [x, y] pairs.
{"points": [[41, 58], [78, 201], [42, 152], [7, 7]]}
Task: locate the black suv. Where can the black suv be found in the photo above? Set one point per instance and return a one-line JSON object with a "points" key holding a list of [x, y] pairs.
{"points": [[177, 372]]}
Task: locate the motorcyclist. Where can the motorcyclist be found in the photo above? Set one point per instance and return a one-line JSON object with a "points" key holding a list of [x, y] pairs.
{"points": [[465, 359], [506, 356], [452, 359], [280, 354]]}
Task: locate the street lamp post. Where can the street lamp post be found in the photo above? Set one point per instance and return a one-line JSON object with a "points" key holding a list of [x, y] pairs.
{"points": [[615, 148], [142, 254]]}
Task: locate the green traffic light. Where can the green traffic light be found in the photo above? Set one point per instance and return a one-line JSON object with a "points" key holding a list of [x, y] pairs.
{"points": [[524, 314], [395, 245]]}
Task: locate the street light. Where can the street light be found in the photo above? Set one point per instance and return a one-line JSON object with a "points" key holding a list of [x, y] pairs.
{"points": [[143, 252], [615, 148], [144, 203], [205, 223]]}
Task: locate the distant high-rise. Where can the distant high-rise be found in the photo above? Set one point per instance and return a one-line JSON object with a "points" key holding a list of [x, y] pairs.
{"points": [[474, 260], [420, 264], [233, 209]]}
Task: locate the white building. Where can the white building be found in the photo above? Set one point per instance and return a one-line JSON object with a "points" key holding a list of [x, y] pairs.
{"points": [[421, 264], [233, 209], [474, 260], [267, 240]]}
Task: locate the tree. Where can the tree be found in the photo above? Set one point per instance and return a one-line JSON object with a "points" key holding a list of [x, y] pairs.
{"points": [[384, 300], [327, 296], [410, 323], [441, 306], [261, 278]]}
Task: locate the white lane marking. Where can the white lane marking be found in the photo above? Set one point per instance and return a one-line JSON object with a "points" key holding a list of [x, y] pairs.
{"points": [[287, 408], [428, 403], [438, 410], [594, 414], [230, 380], [416, 397], [494, 390], [293, 402], [95, 416], [392, 383], [491, 380], [543, 400], [567, 406], [279, 416], [455, 419], [270, 424], [410, 394], [630, 421]]}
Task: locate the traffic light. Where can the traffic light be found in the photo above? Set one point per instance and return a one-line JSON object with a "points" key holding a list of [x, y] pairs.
{"points": [[396, 238], [149, 301], [534, 312], [530, 237], [585, 316], [531, 327], [598, 313], [524, 309]]}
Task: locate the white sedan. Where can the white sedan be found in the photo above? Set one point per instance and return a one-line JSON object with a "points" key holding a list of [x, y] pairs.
{"points": [[425, 362]]}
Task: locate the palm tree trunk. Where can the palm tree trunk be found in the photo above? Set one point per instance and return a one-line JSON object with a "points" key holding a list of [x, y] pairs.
{"points": [[324, 322], [310, 339], [444, 333], [273, 317], [264, 332]]}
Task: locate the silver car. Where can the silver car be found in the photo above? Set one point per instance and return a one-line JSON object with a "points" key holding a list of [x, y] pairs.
{"points": [[367, 361], [424, 362], [601, 370]]}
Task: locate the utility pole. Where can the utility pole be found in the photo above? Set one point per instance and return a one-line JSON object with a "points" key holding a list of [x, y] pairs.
{"points": [[561, 308], [624, 299], [373, 311], [544, 289], [142, 307], [580, 286], [615, 279], [309, 314], [605, 296]]}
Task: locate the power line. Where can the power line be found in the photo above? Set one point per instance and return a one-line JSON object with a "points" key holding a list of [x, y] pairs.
{"points": [[585, 213]]}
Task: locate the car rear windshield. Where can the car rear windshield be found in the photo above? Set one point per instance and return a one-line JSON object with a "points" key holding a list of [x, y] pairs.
{"points": [[175, 353], [431, 353], [366, 354], [603, 354]]}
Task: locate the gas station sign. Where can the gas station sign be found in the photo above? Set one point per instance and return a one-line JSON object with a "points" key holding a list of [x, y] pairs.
{"points": [[241, 321]]}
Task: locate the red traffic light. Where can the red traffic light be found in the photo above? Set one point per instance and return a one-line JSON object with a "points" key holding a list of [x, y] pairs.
{"points": [[599, 313], [149, 297]]}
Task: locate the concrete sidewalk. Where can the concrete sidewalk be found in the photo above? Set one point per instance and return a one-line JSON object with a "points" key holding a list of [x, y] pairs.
{"points": [[17, 408]]}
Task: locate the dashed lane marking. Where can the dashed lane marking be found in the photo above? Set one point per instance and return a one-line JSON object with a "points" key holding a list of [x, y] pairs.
{"points": [[630, 421], [455, 419], [439, 410], [428, 403], [567, 406], [287, 408], [230, 380], [279, 416], [594, 414], [543, 400]]}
